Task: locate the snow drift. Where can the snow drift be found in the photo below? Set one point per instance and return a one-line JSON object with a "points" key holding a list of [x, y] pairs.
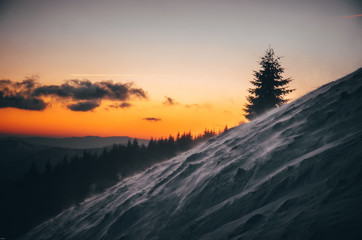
{"points": [[293, 173]]}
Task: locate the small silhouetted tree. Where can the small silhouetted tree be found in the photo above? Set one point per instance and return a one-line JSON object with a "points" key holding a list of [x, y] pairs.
{"points": [[270, 86], [226, 128]]}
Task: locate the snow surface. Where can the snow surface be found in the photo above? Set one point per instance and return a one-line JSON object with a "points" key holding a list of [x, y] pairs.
{"points": [[293, 173]]}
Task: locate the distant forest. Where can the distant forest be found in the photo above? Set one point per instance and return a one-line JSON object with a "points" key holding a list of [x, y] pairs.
{"points": [[39, 195]]}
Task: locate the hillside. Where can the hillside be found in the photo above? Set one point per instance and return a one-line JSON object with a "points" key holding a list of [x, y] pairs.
{"points": [[293, 173]]}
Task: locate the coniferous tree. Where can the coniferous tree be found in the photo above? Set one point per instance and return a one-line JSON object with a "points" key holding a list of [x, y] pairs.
{"points": [[226, 128], [270, 86]]}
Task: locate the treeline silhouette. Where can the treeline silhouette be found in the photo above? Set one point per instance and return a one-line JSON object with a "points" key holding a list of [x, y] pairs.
{"points": [[41, 195]]}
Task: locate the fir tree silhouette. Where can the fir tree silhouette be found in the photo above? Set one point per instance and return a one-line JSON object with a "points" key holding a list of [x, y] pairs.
{"points": [[270, 86]]}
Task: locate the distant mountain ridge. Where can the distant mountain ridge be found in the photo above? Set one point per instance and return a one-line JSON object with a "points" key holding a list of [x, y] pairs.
{"points": [[18, 153], [77, 142]]}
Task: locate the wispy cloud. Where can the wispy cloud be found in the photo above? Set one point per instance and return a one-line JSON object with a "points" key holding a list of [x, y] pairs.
{"points": [[352, 16], [101, 75], [152, 119], [118, 75], [195, 105], [122, 105], [169, 101]]}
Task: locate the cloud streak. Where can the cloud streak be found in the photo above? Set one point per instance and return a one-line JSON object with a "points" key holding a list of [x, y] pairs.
{"points": [[152, 119], [198, 106], [122, 105], [118, 75], [352, 16], [83, 94]]}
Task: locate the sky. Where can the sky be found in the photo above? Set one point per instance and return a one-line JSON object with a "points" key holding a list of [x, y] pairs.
{"points": [[152, 68]]}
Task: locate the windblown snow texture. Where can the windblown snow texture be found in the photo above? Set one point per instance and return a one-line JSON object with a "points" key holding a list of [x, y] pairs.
{"points": [[293, 173]]}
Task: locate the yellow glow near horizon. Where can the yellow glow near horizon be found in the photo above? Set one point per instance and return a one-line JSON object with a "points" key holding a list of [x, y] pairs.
{"points": [[201, 106], [105, 121]]}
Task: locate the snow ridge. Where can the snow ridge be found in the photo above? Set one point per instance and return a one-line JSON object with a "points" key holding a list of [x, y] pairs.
{"points": [[293, 173]]}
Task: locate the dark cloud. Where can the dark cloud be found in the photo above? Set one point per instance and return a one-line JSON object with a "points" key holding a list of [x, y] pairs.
{"points": [[84, 94], [152, 119], [169, 101], [18, 95], [139, 92], [83, 106], [86, 90], [27, 84], [21, 102], [122, 105], [23, 88]]}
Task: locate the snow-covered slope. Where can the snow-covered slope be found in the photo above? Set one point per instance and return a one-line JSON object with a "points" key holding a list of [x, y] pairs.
{"points": [[293, 173]]}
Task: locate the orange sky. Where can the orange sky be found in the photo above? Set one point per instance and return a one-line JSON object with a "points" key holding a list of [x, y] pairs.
{"points": [[199, 53], [104, 121]]}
